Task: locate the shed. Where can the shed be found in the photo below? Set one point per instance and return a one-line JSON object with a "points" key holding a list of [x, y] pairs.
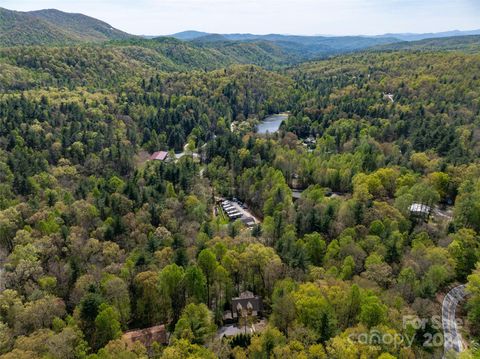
{"points": [[248, 221], [420, 209], [159, 156], [234, 215]]}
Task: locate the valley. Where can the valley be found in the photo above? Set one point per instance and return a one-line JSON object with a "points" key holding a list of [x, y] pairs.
{"points": [[236, 196]]}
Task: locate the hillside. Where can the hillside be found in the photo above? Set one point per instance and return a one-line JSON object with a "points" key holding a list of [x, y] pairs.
{"points": [[300, 47], [115, 63], [85, 27], [192, 35], [96, 238], [17, 28], [431, 35], [53, 27], [188, 35], [465, 43]]}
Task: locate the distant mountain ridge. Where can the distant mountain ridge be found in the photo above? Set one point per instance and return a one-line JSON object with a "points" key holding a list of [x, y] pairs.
{"points": [[468, 43], [193, 35], [301, 47], [431, 35], [311, 47], [53, 27], [187, 35], [199, 49]]}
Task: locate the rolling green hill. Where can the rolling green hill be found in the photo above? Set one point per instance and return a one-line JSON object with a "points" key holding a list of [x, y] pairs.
{"points": [[193, 49], [83, 26], [113, 63], [469, 43], [301, 47], [53, 27], [18, 28]]}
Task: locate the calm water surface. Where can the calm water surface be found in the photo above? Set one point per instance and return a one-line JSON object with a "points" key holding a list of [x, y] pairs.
{"points": [[271, 124]]}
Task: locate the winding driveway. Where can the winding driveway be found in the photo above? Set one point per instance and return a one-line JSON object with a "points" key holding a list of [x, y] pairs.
{"points": [[452, 338]]}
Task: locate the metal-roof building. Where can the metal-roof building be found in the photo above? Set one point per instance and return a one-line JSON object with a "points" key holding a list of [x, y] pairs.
{"points": [[159, 156], [420, 208]]}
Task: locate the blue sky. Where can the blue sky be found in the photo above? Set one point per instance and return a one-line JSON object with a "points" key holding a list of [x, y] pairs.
{"points": [[338, 17]]}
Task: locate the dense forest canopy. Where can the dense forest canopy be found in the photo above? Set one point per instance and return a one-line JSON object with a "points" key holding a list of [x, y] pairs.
{"points": [[95, 240]]}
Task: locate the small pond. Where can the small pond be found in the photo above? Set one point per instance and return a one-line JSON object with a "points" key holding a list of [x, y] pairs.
{"points": [[271, 124]]}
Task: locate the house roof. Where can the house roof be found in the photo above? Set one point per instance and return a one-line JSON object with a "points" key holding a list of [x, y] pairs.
{"points": [[419, 208], [159, 155], [247, 300], [246, 295]]}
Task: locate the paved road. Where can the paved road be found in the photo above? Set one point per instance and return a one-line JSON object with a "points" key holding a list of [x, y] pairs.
{"points": [[452, 338]]}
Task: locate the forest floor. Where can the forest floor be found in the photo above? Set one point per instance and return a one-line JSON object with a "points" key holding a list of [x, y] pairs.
{"points": [[141, 158], [446, 213]]}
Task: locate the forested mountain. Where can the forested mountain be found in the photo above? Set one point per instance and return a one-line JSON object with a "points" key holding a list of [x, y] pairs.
{"points": [[53, 27], [441, 80], [392, 37], [97, 240], [309, 47], [188, 35], [465, 43], [301, 47], [122, 62], [431, 35], [85, 27]]}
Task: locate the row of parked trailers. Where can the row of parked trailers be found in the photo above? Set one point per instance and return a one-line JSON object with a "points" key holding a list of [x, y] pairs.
{"points": [[233, 213]]}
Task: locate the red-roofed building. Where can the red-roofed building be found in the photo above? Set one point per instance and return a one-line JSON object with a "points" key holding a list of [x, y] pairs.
{"points": [[159, 156]]}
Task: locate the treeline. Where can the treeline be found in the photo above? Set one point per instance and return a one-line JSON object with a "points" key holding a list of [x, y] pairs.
{"points": [[434, 103], [176, 108], [96, 241], [116, 64]]}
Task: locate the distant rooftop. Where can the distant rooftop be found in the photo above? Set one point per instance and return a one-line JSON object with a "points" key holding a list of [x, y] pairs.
{"points": [[247, 300], [159, 155], [419, 208]]}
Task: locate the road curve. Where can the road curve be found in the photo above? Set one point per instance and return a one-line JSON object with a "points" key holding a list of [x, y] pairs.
{"points": [[452, 338]]}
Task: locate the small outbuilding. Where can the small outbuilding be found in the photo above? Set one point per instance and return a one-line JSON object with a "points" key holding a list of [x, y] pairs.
{"points": [[248, 221], [420, 210], [234, 215], [159, 156]]}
